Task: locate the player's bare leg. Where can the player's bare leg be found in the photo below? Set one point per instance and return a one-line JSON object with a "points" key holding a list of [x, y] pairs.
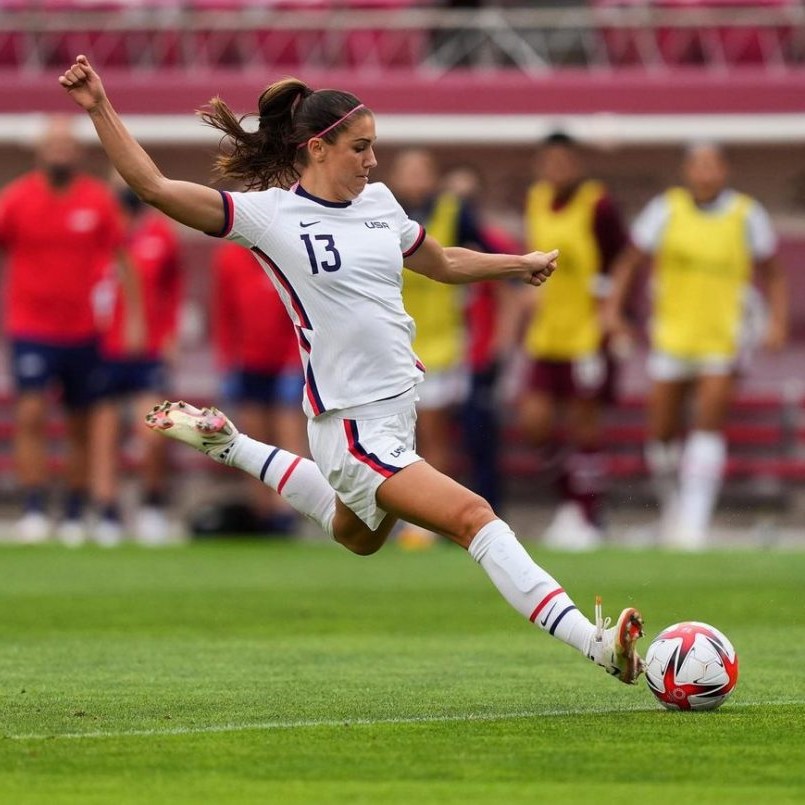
{"points": [[72, 529], [105, 427], [152, 526], [702, 462], [30, 465], [351, 532], [420, 494]]}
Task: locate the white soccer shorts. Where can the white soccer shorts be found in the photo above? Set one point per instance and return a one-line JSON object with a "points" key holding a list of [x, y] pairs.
{"points": [[357, 455], [668, 368]]}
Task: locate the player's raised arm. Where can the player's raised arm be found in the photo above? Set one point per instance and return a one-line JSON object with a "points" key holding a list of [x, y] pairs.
{"points": [[194, 205], [458, 266]]}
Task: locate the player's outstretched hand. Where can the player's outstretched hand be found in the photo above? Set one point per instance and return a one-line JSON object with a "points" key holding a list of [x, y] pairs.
{"points": [[540, 266], [83, 84]]}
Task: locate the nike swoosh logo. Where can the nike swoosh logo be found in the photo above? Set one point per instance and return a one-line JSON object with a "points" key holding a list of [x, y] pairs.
{"points": [[305, 226], [544, 620]]}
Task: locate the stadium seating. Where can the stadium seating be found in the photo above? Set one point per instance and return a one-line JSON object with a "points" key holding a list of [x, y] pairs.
{"points": [[679, 33], [766, 436], [390, 34]]}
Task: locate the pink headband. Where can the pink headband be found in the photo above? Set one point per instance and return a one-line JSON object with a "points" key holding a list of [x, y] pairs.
{"points": [[330, 128]]}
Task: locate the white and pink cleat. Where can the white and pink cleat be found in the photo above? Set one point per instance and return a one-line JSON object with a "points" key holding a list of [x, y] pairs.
{"points": [[208, 430]]}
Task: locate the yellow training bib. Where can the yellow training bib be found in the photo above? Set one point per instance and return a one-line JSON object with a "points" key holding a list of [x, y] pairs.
{"points": [[701, 270], [566, 324], [436, 308]]}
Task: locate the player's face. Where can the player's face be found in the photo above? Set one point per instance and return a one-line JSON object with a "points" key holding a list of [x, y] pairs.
{"points": [[560, 166], [347, 162], [705, 171], [414, 177], [58, 147], [464, 183]]}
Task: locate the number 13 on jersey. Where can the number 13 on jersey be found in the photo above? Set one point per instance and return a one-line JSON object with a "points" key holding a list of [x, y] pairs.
{"points": [[321, 252]]}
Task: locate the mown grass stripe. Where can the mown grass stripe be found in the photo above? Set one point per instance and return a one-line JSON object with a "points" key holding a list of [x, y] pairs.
{"points": [[368, 722]]}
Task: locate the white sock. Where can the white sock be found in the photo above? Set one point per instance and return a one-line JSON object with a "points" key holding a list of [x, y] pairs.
{"points": [[298, 480], [662, 459], [700, 474], [528, 588]]}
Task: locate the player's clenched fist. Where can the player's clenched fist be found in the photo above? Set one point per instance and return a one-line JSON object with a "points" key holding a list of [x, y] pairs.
{"points": [[83, 84], [542, 265]]}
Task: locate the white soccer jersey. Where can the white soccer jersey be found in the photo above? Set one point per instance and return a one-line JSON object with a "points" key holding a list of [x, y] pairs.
{"points": [[338, 268]]}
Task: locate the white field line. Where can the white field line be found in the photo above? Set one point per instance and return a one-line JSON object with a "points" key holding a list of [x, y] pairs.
{"points": [[268, 726]]}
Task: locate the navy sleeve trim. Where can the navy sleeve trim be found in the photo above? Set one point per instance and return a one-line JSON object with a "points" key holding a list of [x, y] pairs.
{"points": [[417, 242], [229, 216]]}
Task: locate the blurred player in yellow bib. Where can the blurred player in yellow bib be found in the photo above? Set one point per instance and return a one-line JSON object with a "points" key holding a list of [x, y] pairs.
{"points": [[706, 241], [570, 374], [438, 312]]}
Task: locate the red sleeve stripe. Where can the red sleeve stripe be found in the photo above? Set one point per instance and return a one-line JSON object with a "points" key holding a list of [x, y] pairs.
{"points": [[417, 242], [542, 604]]}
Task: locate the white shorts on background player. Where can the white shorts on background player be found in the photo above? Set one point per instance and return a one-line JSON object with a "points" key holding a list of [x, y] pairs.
{"points": [[358, 448], [443, 388], [669, 368]]}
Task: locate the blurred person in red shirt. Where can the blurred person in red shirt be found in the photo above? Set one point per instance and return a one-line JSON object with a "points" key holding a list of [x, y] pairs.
{"points": [[59, 229], [259, 354], [140, 376]]}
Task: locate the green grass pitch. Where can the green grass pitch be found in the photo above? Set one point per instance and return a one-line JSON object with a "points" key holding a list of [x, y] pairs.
{"points": [[288, 673]]}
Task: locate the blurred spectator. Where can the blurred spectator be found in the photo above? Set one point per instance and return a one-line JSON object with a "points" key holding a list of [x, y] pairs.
{"points": [[259, 353], [570, 375], [491, 331], [60, 229], [704, 239], [437, 310], [137, 376]]}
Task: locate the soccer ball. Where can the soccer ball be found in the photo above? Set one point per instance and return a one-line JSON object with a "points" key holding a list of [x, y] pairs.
{"points": [[691, 666]]}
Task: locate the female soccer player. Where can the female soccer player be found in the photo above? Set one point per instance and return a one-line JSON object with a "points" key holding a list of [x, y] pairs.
{"points": [[706, 241], [334, 246]]}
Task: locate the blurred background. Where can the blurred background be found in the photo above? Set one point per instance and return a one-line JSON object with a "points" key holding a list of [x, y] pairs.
{"points": [[479, 85]]}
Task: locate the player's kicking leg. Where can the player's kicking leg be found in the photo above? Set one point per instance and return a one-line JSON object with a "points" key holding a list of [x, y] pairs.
{"points": [[525, 585], [210, 431]]}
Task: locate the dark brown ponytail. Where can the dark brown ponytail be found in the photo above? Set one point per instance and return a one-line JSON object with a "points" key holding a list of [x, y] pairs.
{"points": [[289, 114]]}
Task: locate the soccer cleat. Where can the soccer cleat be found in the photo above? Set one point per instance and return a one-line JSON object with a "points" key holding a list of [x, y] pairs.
{"points": [[571, 531], [206, 429], [32, 528], [152, 527], [108, 533], [71, 532], [614, 648]]}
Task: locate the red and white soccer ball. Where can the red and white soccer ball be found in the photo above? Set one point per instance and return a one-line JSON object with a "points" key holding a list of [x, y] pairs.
{"points": [[691, 666]]}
